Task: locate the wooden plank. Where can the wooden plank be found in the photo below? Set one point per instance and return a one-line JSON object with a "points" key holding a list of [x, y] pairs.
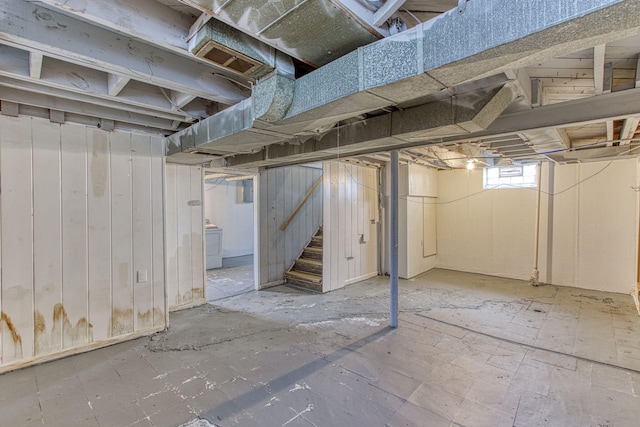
{"points": [[53, 98], [289, 203], [344, 225], [16, 319], [73, 314], [335, 229], [327, 224], [318, 199], [35, 64], [158, 226], [280, 216], [171, 184], [598, 68], [347, 204], [629, 129], [362, 190], [115, 83], [84, 43], [299, 235], [185, 267], [47, 236], [272, 199], [312, 213], [142, 229], [121, 235], [386, 11], [197, 234], [263, 233], [145, 19], [99, 220]]}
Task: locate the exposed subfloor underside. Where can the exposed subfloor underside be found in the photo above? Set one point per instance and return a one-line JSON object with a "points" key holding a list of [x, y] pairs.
{"points": [[471, 350]]}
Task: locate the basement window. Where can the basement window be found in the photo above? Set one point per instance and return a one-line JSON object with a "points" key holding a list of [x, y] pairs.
{"points": [[511, 177]]}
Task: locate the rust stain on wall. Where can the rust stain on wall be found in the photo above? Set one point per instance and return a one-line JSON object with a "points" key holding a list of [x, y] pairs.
{"points": [[145, 320], [198, 293], [158, 317], [186, 298], [39, 331], [15, 336], [121, 322], [72, 335]]}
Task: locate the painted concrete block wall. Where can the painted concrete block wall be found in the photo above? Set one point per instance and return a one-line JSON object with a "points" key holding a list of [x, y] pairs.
{"points": [[82, 238], [418, 194], [280, 191], [351, 218], [595, 226], [223, 208], [185, 236]]}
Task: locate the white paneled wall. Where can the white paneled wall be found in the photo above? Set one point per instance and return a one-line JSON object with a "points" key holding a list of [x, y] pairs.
{"points": [[280, 192], [82, 238], [351, 218], [595, 227], [594, 242], [185, 236], [418, 192]]}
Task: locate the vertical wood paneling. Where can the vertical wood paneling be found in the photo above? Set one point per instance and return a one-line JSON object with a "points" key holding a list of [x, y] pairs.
{"points": [[280, 218], [185, 272], [298, 192], [359, 216], [348, 232], [99, 221], [288, 175], [327, 225], [350, 193], [281, 190], [197, 234], [47, 236], [75, 268], [157, 219], [121, 235], [67, 236], [272, 227], [17, 240], [334, 247], [171, 235], [263, 231], [142, 244]]}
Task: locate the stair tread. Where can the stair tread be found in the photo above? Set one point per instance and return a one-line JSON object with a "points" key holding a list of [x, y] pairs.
{"points": [[310, 261], [313, 249], [315, 278]]}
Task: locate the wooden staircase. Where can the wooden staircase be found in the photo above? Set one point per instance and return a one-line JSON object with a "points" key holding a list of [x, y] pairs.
{"points": [[306, 272]]}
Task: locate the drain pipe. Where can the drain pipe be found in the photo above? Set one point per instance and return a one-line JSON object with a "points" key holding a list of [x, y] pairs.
{"points": [[535, 275], [393, 271]]}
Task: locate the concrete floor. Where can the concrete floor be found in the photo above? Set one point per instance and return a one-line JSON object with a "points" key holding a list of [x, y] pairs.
{"points": [[471, 350], [234, 278]]}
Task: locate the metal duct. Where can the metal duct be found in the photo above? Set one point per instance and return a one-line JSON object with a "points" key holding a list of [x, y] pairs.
{"points": [[398, 70]]}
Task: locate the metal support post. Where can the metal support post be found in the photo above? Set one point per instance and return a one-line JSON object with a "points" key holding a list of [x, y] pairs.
{"points": [[393, 322]]}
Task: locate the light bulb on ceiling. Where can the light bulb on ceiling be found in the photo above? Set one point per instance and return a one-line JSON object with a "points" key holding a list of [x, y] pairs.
{"points": [[471, 164]]}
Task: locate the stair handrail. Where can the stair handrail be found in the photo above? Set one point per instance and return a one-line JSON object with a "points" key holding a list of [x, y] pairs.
{"points": [[309, 194]]}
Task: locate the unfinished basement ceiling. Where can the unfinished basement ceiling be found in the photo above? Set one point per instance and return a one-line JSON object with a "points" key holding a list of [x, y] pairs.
{"points": [[128, 65]]}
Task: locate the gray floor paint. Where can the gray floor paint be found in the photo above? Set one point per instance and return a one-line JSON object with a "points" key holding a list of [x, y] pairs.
{"points": [[471, 350]]}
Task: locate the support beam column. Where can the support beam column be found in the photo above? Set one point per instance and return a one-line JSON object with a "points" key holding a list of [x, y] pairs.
{"points": [[393, 232]]}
